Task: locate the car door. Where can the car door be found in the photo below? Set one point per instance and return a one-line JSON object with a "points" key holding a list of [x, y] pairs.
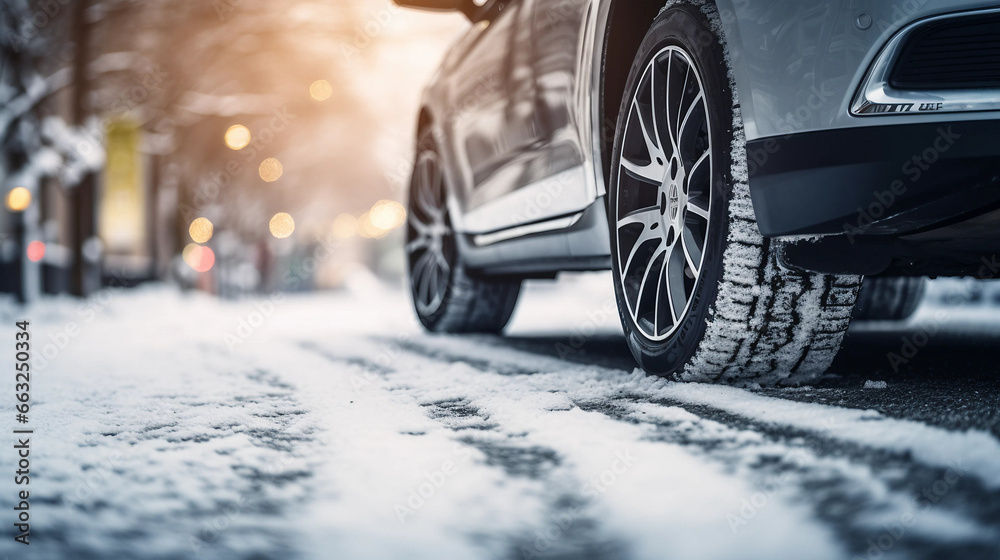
{"points": [[475, 100], [541, 175]]}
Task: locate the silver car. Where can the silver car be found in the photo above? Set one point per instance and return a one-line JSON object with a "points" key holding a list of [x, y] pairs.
{"points": [[755, 173]]}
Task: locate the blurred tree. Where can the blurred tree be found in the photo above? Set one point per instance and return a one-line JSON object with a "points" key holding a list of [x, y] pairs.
{"points": [[188, 69], [37, 145], [184, 71]]}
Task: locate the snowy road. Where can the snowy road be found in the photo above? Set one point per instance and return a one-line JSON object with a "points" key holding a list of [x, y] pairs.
{"points": [[329, 426]]}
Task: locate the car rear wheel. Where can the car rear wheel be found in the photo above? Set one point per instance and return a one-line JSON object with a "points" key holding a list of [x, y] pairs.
{"points": [[700, 292], [889, 299], [446, 296]]}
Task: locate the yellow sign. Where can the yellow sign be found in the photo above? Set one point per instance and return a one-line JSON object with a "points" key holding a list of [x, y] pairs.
{"points": [[122, 224]]}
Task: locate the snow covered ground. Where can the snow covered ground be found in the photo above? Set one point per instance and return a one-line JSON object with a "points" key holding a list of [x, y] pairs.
{"points": [[173, 425]]}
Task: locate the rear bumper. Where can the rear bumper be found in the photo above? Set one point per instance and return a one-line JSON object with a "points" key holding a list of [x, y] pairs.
{"points": [[887, 180]]}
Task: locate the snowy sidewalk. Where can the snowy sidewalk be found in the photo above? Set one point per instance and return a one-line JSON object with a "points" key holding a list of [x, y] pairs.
{"points": [[330, 426]]}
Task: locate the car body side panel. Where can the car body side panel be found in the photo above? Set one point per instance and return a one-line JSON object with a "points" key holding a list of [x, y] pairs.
{"points": [[468, 100], [521, 155]]}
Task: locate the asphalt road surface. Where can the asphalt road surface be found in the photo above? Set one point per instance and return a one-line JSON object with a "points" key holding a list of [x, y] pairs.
{"points": [[172, 425]]}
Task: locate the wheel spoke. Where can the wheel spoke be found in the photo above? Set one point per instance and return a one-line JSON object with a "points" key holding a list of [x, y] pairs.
{"points": [[422, 242], [434, 282], [645, 216], [697, 101], [694, 166], [650, 268], [442, 262], [680, 103], [666, 102], [693, 208], [426, 201], [420, 275], [676, 294], [655, 89], [660, 289], [427, 190], [652, 173], [651, 146], [645, 237], [692, 252]]}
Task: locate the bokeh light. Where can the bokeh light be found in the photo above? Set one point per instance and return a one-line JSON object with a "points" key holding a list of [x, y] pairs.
{"points": [[367, 229], [387, 215], [321, 90], [201, 230], [345, 226], [270, 170], [282, 225], [18, 199], [237, 137], [36, 251], [199, 258]]}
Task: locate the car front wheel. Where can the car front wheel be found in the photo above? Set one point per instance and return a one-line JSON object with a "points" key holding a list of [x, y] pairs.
{"points": [[700, 292]]}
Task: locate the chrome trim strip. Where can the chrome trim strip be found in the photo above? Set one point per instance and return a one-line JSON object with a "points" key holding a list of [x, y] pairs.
{"points": [[876, 97], [530, 229]]}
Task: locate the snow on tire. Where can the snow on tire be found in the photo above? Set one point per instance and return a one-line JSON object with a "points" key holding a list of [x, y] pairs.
{"points": [[746, 319]]}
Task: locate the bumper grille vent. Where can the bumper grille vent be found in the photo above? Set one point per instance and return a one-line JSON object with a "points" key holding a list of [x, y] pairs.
{"points": [[957, 53]]}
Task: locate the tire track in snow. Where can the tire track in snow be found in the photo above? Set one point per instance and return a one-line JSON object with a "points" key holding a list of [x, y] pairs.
{"points": [[523, 428], [568, 530], [932, 446], [848, 470], [860, 498]]}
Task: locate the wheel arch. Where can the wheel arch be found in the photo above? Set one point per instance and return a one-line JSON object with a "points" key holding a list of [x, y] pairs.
{"points": [[620, 43]]}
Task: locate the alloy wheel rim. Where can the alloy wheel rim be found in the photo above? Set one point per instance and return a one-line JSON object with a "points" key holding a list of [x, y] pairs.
{"points": [[430, 241], [664, 197]]}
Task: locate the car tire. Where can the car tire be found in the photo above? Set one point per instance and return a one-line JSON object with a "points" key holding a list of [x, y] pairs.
{"points": [[889, 299], [746, 319], [447, 297]]}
